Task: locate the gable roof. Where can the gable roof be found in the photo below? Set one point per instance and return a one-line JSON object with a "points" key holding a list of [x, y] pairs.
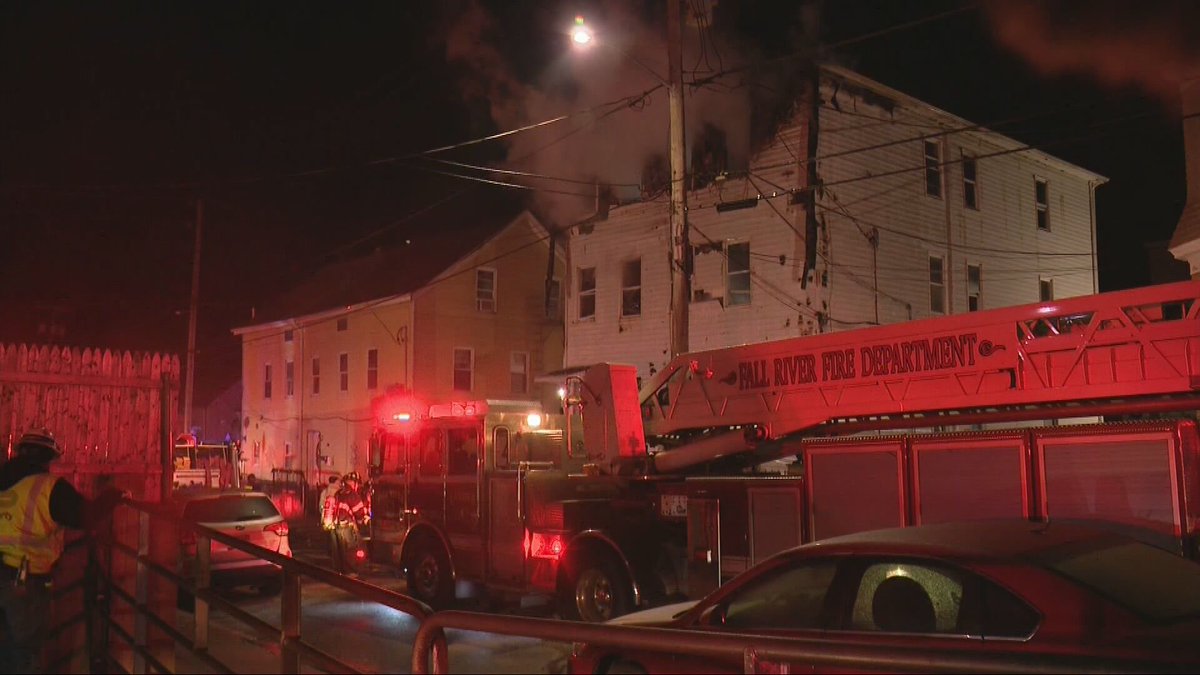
{"points": [[431, 251]]}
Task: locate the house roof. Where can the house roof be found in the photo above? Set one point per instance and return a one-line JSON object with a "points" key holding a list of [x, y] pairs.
{"points": [[432, 245]]}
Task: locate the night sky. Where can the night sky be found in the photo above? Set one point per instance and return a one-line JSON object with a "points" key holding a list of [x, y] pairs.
{"points": [[116, 117]]}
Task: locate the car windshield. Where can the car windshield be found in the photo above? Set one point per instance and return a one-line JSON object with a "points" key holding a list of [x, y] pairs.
{"points": [[230, 509], [1153, 583]]}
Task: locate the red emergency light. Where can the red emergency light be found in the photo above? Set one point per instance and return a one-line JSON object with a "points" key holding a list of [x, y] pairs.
{"points": [[360, 554], [543, 545], [395, 408]]}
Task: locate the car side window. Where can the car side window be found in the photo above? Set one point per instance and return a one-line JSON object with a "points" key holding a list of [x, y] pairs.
{"points": [[908, 597], [1004, 615], [463, 445], [790, 598]]}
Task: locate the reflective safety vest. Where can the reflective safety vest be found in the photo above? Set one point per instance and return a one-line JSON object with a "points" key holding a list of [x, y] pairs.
{"points": [[26, 529]]}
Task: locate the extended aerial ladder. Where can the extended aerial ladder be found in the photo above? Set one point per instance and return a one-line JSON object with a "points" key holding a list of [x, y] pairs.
{"points": [[1120, 352]]}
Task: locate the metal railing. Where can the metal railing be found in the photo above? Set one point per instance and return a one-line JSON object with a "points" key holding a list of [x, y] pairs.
{"points": [[294, 649], [429, 649]]}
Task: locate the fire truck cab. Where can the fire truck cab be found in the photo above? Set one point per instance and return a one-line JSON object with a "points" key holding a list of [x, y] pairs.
{"points": [[488, 492]]}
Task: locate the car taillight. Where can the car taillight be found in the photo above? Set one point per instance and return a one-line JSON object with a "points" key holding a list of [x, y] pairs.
{"points": [[280, 528], [360, 554], [549, 546]]}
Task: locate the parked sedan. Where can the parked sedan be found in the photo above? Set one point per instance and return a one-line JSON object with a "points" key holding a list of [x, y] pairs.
{"points": [[250, 516], [1002, 588]]}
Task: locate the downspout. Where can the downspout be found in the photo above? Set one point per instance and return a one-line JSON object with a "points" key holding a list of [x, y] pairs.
{"points": [[1092, 217], [949, 273], [811, 178]]}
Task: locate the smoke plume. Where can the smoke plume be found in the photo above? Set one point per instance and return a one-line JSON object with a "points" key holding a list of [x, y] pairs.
{"points": [[608, 148], [1153, 44]]}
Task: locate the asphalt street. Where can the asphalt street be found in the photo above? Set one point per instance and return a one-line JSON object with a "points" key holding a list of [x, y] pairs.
{"points": [[369, 637]]}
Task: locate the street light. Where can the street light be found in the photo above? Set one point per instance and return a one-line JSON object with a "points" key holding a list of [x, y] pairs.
{"points": [[581, 34]]}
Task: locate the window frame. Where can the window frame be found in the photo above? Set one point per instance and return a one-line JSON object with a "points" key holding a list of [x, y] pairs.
{"points": [[977, 296], [316, 375], [454, 369], [933, 168], [626, 288], [524, 373], [588, 293], [729, 274], [343, 371], [489, 304], [372, 369], [939, 285], [1041, 208], [970, 185], [267, 381], [289, 378], [1045, 284], [343, 324], [288, 335]]}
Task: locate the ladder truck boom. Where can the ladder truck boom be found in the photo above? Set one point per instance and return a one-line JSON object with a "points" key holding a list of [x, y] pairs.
{"points": [[1136, 346]]}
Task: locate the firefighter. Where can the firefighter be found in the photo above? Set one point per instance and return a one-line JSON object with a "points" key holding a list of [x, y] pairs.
{"points": [[351, 512], [35, 506], [328, 501]]}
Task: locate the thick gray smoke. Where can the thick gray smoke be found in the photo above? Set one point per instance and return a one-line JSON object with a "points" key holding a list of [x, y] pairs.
{"points": [[610, 149], [1152, 44]]}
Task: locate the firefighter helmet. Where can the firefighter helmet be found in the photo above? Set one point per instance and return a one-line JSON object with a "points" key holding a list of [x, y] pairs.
{"points": [[39, 445], [352, 476]]}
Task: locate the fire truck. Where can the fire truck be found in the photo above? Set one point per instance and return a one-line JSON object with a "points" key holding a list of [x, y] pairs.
{"points": [[727, 456]]}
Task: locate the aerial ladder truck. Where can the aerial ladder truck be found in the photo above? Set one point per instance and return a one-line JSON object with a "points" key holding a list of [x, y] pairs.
{"points": [[728, 456]]}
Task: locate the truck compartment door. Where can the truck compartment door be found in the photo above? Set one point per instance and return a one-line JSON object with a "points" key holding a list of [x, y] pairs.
{"points": [[506, 554], [704, 546], [971, 477], [853, 487]]}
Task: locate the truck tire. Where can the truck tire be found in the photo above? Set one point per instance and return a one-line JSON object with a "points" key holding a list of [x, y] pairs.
{"points": [[595, 591], [428, 573]]}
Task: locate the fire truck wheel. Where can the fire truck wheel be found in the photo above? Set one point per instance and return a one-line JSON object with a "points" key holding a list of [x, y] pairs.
{"points": [[429, 574], [595, 591]]}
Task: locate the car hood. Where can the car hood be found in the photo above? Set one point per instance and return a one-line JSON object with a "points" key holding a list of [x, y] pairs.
{"points": [[655, 616]]}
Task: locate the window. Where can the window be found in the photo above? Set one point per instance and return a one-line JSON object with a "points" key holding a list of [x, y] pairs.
{"points": [[970, 187], [974, 283], [792, 598], [737, 273], [431, 451], [463, 446], [918, 597], [464, 367], [1045, 290], [287, 336], [267, 381], [631, 287], [372, 369], [289, 377], [344, 372], [342, 324], [933, 169], [519, 372], [485, 290], [937, 286], [1041, 201], [500, 446], [553, 298], [316, 375], [587, 292]]}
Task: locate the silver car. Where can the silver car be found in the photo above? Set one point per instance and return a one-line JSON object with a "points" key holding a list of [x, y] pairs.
{"points": [[250, 516]]}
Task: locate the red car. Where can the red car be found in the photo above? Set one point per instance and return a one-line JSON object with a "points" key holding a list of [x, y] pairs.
{"points": [[992, 588]]}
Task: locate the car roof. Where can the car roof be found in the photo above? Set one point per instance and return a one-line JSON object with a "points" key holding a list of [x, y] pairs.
{"points": [[1000, 539]]}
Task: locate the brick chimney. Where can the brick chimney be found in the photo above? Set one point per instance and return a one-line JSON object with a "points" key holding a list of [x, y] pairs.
{"points": [[1185, 243]]}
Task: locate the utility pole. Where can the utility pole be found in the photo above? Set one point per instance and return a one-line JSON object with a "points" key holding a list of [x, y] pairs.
{"points": [[191, 348], [677, 256]]}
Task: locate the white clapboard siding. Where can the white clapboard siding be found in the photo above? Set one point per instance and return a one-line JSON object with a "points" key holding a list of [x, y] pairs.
{"points": [[871, 165]]}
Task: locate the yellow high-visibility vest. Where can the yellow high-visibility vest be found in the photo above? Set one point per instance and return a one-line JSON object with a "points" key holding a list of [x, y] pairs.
{"points": [[26, 529]]}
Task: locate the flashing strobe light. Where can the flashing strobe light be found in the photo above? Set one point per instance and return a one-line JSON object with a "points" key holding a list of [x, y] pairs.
{"points": [[533, 420], [562, 392], [402, 417], [360, 554], [581, 35]]}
